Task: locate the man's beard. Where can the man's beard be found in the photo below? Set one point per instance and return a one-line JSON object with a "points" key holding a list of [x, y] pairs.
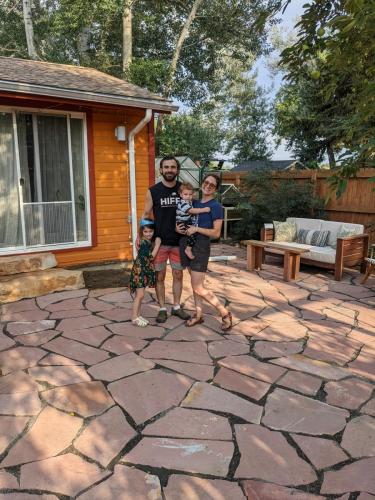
{"points": [[169, 177]]}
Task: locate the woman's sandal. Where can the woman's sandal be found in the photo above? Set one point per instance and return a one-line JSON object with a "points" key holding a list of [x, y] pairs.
{"points": [[194, 321], [226, 322]]}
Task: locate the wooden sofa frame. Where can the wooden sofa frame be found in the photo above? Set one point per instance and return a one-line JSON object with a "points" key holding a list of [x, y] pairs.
{"points": [[351, 251]]}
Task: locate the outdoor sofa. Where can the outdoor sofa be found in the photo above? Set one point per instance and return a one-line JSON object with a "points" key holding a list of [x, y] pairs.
{"points": [[347, 245]]}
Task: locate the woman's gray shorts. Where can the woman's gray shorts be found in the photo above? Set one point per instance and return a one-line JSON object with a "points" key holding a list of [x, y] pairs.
{"points": [[201, 251]]}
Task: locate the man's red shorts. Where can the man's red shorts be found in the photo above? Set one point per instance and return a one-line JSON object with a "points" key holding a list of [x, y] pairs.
{"points": [[166, 253]]}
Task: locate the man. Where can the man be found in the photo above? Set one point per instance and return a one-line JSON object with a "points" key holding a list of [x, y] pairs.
{"points": [[161, 202]]}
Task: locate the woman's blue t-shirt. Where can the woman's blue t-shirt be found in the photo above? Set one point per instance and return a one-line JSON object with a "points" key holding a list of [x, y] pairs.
{"points": [[207, 220]]}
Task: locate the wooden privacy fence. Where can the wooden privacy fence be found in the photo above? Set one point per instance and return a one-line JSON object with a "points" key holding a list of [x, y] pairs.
{"points": [[356, 205]]}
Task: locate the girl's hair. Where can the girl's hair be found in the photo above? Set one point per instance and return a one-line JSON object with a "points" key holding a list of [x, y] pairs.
{"points": [[217, 179], [142, 227], [187, 186]]}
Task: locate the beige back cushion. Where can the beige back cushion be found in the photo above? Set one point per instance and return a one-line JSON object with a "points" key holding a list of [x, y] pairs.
{"points": [[333, 228], [301, 223]]}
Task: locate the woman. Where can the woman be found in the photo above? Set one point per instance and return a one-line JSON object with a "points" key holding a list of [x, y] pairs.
{"points": [[208, 226]]}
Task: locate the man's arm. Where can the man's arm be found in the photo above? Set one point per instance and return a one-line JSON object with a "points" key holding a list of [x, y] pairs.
{"points": [[147, 211]]}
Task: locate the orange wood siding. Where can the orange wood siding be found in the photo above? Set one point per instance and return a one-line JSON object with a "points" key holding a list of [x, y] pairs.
{"points": [[112, 196]]}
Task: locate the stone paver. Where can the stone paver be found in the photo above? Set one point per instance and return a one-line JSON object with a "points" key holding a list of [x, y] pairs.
{"points": [[369, 408], [299, 356], [195, 488], [16, 383], [126, 483], [66, 474], [233, 381], [301, 382], [59, 375], [122, 345], [20, 358], [266, 350], [267, 455], [119, 367], [321, 452], [85, 399], [191, 352], [196, 456], [312, 366], [5, 342], [76, 350], [256, 490], [25, 327], [222, 348], [350, 393], [358, 476], [91, 336], [8, 481], [81, 323], [359, 437], [44, 431], [187, 423], [10, 428], [193, 370], [105, 436], [207, 397], [37, 339], [253, 368], [20, 404], [292, 412], [146, 394]]}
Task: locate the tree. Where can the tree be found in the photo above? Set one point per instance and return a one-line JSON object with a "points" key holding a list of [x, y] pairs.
{"points": [[192, 134], [341, 32], [29, 29]]}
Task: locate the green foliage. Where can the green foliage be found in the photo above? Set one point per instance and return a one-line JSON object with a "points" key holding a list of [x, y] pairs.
{"points": [[189, 134], [336, 49], [270, 199]]}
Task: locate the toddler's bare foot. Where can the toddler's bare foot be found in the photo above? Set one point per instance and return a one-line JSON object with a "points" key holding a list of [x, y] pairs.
{"points": [[189, 253]]}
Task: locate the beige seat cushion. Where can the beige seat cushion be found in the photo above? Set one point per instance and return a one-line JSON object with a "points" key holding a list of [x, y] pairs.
{"points": [[321, 254]]}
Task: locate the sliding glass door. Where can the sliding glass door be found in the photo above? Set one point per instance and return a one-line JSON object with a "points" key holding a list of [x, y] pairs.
{"points": [[44, 177]]}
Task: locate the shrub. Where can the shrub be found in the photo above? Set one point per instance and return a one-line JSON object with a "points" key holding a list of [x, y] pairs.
{"points": [[269, 199]]}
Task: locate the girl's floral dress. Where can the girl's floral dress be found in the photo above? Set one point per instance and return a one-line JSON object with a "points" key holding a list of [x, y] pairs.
{"points": [[143, 272]]}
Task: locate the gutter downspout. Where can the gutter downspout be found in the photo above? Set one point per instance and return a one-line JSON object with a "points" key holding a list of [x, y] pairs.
{"points": [[132, 178]]}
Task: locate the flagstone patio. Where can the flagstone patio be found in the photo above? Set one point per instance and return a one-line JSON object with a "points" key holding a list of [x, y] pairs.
{"points": [[281, 407]]}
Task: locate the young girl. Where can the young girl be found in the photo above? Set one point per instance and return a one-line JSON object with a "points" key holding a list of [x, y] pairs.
{"points": [[143, 273]]}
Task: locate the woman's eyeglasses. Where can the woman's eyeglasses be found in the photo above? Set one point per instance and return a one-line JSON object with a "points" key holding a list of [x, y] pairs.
{"points": [[209, 185]]}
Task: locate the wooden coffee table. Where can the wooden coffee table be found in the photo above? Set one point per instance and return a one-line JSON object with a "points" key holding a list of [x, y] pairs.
{"points": [[292, 257]]}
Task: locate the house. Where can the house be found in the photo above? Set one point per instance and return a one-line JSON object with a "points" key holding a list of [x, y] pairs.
{"points": [[77, 156]]}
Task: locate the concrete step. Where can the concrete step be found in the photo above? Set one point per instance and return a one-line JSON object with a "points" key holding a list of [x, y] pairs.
{"points": [[26, 263], [20, 286]]}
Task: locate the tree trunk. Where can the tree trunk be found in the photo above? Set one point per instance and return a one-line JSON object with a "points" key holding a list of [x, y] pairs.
{"points": [[127, 42], [331, 156], [176, 55], [83, 46], [29, 30]]}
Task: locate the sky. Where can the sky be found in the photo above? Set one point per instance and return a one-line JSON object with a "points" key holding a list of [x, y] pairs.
{"points": [[272, 84]]}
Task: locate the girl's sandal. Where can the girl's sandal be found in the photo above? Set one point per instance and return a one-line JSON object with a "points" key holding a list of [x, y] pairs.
{"points": [[144, 319], [194, 321], [140, 322], [226, 322]]}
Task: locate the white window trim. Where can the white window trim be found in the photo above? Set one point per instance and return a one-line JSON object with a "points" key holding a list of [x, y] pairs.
{"points": [[63, 246]]}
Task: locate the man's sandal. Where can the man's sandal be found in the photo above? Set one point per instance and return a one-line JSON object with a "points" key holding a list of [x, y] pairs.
{"points": [[226, 322], [194, 321], [144, 319], [140, 322]]}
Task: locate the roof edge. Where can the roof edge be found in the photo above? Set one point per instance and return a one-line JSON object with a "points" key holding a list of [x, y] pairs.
{"points": [[44, 90]]}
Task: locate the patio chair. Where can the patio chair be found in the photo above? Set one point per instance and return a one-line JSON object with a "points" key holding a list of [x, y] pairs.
{"points": [[370, 264]]}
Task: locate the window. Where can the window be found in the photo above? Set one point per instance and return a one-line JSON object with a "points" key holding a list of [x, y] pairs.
{"points": [[44, 177]]}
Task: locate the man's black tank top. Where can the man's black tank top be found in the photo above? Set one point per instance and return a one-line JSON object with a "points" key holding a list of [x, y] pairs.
{"points": [[164, 200]]}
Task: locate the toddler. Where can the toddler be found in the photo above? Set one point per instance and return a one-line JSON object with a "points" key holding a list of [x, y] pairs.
{"points": [[186, 214]]}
